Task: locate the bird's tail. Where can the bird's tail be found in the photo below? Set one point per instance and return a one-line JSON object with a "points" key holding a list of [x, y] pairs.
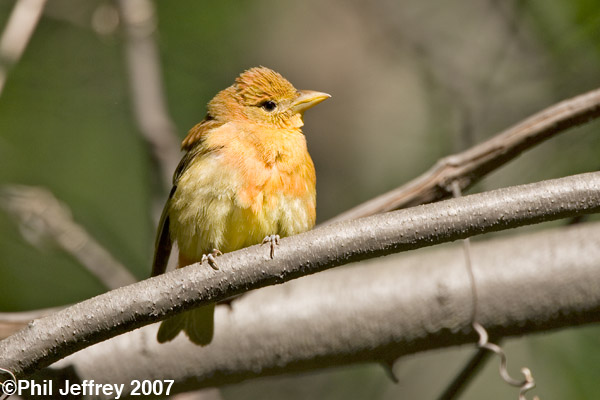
{"points": [[198, 325]]}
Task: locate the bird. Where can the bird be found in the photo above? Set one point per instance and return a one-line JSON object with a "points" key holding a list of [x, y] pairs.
{"points": [[246, 178]]}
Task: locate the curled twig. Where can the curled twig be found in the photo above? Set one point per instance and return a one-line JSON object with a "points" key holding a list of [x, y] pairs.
{"points": [[7, 390], [483, 342], [526, 384]]}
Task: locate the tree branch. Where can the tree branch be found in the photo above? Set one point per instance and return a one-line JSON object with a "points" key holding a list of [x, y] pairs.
{"points": [[19, 29], [11, 322], [42, 218], [147, 93], [472, 165], [374, 312], [466, 375], [51, 338]]}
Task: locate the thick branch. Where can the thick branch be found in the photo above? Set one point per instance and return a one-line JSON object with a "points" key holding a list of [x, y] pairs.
{"points": [[51, 338], [374, 312], [472, 165]]}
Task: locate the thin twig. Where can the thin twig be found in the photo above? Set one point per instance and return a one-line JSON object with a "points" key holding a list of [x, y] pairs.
{"points": [[474, 365], [470, 166], [110, 314], [19, 29], [44, 220], [145, 81], [482, 355]]}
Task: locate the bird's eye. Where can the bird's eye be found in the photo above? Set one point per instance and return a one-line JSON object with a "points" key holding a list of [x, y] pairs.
{"points": [[268, 105]]}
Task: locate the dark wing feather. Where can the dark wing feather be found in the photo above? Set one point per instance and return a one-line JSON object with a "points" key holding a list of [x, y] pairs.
{"points": [[164, 243]]}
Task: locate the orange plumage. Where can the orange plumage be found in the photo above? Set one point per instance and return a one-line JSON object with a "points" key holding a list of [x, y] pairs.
{"points": [[246, 175]]}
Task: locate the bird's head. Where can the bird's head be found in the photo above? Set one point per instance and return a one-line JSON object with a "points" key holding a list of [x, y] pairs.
{"points": [[262, 96]]}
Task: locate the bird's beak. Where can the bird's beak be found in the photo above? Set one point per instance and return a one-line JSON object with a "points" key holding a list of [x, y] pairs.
{"points": [[307, 99]]}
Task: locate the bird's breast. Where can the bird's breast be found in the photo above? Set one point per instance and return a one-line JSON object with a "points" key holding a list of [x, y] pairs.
{"points": [[233, 197], [273, 164]]}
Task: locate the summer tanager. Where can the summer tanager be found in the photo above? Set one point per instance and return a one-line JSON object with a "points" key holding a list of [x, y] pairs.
{"points": [[246, 178]]}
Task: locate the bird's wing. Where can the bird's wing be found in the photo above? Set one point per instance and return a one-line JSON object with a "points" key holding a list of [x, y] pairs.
{"points": [[164, 242], [198, 132]]}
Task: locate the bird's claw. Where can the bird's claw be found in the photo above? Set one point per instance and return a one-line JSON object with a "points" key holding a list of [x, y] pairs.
{"points": [[274, 241], [210, 258]]}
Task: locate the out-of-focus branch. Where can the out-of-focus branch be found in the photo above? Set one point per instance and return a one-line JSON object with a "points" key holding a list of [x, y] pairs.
{"points": [[205, 394], [470, 166], [43, 219], [466, 375], [147, 92], [51, 338], [380, 310], [21, 24]]}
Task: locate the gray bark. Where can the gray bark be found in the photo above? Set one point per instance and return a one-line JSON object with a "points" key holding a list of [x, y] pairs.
{"points": [[53, 337]]}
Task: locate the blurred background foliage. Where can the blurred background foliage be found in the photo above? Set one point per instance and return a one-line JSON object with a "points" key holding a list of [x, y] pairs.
{"points": [[412, 81]]}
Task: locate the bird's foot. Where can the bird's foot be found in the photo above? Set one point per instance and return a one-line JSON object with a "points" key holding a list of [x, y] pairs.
{"points": [[210, 257], [274, 241]]}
